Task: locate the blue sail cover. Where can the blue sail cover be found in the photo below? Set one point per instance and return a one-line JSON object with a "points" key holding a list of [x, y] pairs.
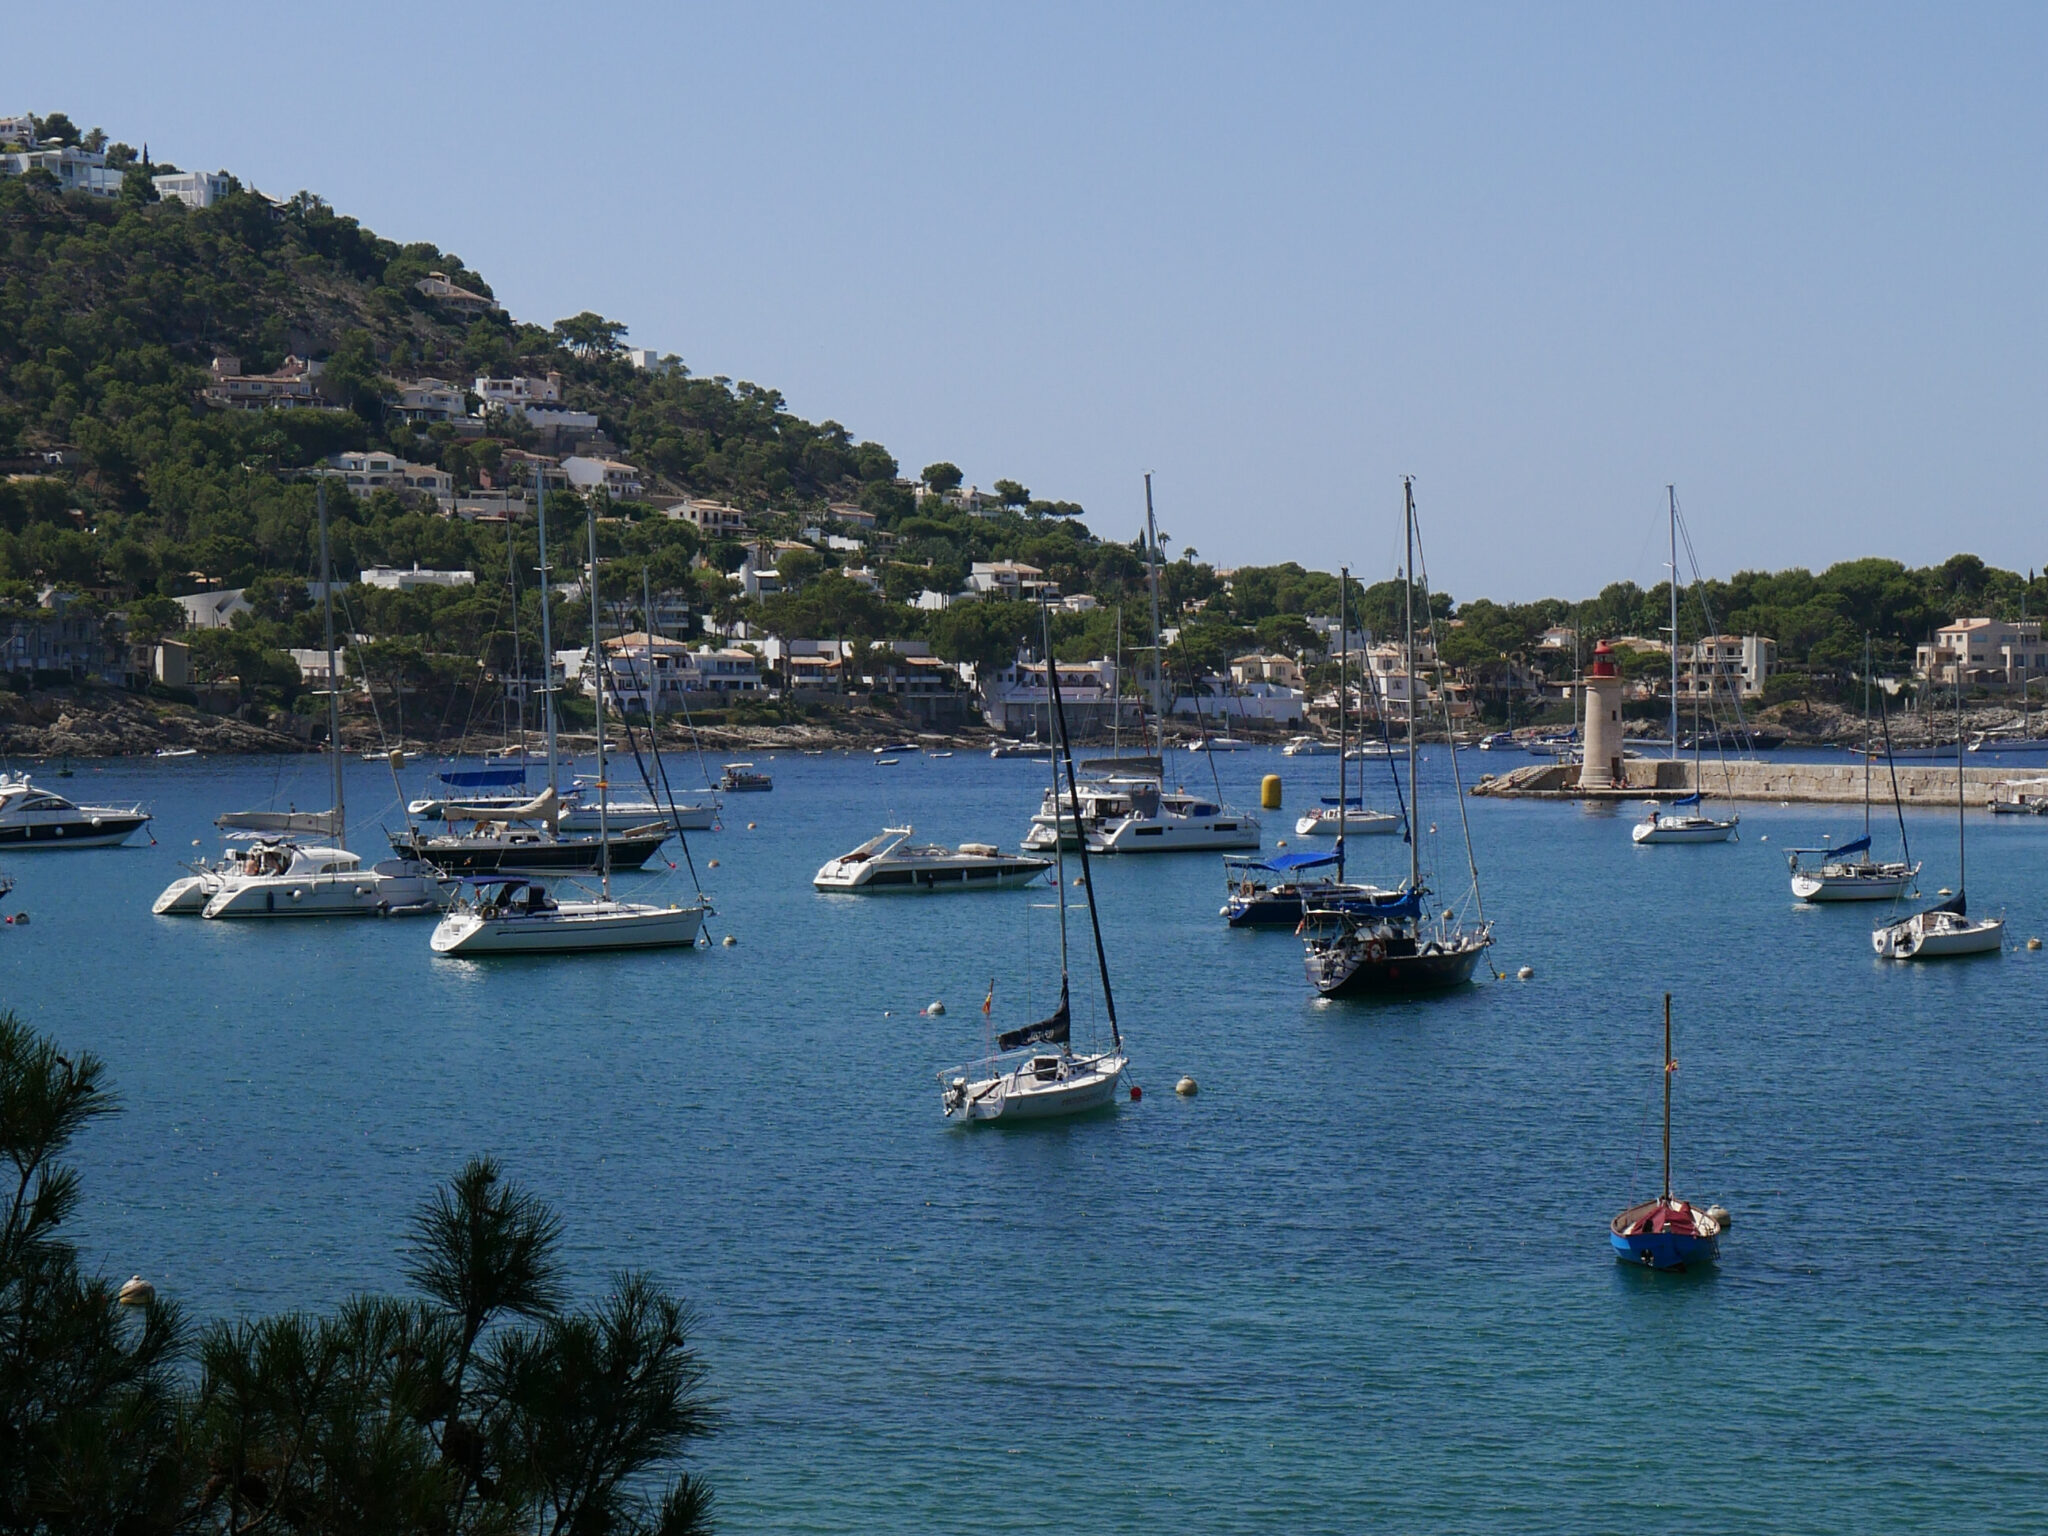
{"points": [[1350, 800], [1400, 904], [480, 778], [1861, 845], [1285, 863], [1691, 799]]}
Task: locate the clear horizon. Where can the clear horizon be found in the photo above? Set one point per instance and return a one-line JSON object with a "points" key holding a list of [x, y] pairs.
{"points": [[1545, 263]]}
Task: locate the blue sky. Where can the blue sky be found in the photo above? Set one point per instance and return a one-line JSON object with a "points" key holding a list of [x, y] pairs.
{"points": [[1546, 259]]}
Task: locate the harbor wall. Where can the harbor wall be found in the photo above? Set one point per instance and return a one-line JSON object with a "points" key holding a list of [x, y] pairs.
{"points": [[1752, 779]]}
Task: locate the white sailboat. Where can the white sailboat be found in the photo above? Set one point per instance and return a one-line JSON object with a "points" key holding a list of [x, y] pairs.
{"points": [[1945, 929], [1692, 825], [1034, 1073], [518, 916], [1849, 872]]}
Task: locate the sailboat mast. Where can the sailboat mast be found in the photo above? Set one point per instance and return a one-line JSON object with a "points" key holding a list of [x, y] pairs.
{"points": [[1866, 738], [333, 682], [547, 635], [1062, 749], [518, 659], [1116, 706], [1343, 687], [1059, 842], [1408, 582], [1962, 853], [1672, 492], [1158, 652], [604, 842], [1669, 1067]]}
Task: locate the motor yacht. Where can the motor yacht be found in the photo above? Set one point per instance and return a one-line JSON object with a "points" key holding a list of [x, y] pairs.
{"points": [[1175, 821], [39, 818], [1308, 746], [892, 864]]}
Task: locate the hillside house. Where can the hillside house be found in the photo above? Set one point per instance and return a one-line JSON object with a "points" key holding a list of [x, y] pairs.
{"points": [[1991, 653], [589, 475], [452, 296], [291, 387], [195, 189]]}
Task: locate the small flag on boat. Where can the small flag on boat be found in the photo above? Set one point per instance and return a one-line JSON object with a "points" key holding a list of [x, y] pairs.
{"points": [[988, 1004]]}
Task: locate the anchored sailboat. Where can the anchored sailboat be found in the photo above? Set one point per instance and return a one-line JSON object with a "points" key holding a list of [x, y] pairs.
{"points": [[1372, 945], [1945, 929], [1668, 1233], [1692, 824], [1033, 1073], [1849, 872]]}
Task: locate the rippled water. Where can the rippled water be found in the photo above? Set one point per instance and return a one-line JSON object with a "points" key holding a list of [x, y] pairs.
{"points": [[1362, 1280]]}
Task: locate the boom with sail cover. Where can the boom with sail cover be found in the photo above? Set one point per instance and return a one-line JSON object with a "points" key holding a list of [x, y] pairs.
{"points": [[1057, 1030], [309, 823]]}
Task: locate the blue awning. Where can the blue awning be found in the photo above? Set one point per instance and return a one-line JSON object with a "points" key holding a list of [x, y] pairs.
{"points": [[1691, 799], [1308, 858], [1861, 845], [477, 778]]}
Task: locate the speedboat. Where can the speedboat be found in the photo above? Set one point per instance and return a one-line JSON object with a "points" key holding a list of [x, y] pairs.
{"points": [[1939, 933], [2019, 797], [1356, 821], [1369, 751], [38, 818], [1030, 747], [1499, 741], [287, 880], [1221, 744], [891, 863], [744, 778], [890, 748], [506, 917], [1308, 746], [1660, 828]]}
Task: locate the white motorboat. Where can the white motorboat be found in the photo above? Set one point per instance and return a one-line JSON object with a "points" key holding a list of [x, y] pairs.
{"points": [[744, 778], [287, 880], [578, 810], [1035, 750], [2020, 797], [1658, 827], [39, 818], [1939, 933], [892, 864], [1355, 820], [1308, 746], [1034, 1073], [1370, 751], [514, 916], [1221, 744]]}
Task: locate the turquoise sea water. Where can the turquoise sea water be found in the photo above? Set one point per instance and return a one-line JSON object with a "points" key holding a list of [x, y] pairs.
{"points": [[1361, 1281]]}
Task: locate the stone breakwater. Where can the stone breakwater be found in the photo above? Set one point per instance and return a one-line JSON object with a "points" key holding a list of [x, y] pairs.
{"points": [[1922, 784]]}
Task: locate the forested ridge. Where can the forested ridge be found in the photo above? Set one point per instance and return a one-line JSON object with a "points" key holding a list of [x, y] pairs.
{"points": [[111, 309]]}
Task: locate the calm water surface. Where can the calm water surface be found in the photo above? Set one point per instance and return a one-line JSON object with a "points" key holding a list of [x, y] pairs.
{"points": [[1361, 1280]]}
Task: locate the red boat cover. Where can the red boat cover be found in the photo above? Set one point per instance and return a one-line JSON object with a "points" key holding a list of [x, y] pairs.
{"points": [[1658, 1217]]}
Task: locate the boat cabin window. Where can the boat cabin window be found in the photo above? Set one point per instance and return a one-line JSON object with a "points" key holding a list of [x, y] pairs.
{"points": [[45, 803]]}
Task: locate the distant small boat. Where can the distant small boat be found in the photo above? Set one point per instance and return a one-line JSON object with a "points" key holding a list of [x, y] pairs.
{"points": [[1660, 828], [1668, 1233], [887, 762], [938, 754], [177, 751], [1221, 744], [1308, 746], [744, 778], [1030, 748], [2020, 797], [895, 746], [1499, 741]]}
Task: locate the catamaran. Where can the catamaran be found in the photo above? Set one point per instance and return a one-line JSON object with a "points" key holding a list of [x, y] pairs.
{"points": [[1384, 943], [1034, 1073]]}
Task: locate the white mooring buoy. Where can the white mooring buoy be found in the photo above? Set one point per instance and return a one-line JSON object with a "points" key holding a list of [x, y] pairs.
{"points": [[731, 942], [1526, 973], [1187, 1088], [138, 1292]]}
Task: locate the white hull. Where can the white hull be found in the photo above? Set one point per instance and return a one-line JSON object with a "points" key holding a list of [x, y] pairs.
{"points": [[1044, 1088], [187, 897], [1356, 824], [1938, 936], [394, 886], [1852, 887], [570, 928], [1306, 748], [930, 880], [1688, 829], [1174, 834]]}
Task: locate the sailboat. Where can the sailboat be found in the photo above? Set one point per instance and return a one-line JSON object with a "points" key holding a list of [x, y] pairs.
{"points": [[1257, 902], [1945, 929], [1849, 873], [517, 916], [1668, 1233], [495, 844], [1383, 943], [1692, 825], [1034, 1073], [281, 876]]}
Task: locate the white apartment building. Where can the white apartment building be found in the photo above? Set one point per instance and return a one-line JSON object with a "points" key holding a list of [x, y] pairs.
{"points": [[1017, 697], [712, 519], [430, 400], [1990, 652], [519, 390], [1009, 578], [197, 189], [76, 170], [213, 610], [1713, 662], [364, 473]]}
